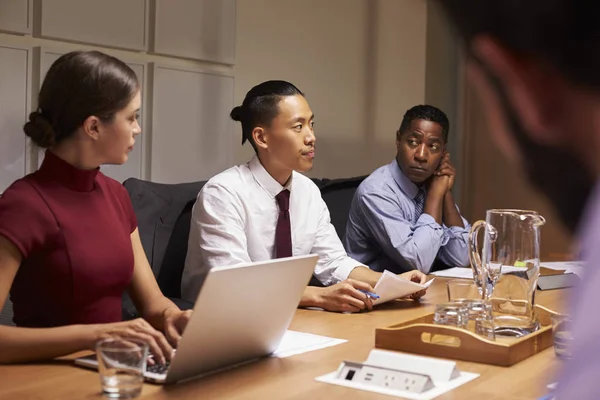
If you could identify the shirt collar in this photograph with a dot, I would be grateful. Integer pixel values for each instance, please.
(57, 169)
(405, 184)
(265, 180)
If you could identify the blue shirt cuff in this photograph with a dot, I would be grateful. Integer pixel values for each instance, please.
(455, 232)
(429, 221)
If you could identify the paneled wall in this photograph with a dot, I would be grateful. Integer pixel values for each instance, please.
(362, 64)
(15, 100)
(182, 52)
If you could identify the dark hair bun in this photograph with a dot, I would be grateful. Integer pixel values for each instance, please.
(237, 113)
(39, 130)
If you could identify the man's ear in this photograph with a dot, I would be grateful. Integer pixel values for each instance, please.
(260, 138)
(532, 90)
(398, 139)
(91, 127)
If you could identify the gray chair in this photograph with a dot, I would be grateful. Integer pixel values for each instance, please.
(163, 212)
(6, 314)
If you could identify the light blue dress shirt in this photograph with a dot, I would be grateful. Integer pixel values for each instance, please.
(384, 232)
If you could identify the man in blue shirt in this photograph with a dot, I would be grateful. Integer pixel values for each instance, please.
(403, 216)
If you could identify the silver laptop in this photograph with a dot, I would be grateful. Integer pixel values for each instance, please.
(240, 315)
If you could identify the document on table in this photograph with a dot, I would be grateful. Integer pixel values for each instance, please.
(575, 267)
(294, 342)
(390, 287)
(467, 273)
(456, 272)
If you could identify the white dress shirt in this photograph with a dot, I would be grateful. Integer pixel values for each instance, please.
(234, 221)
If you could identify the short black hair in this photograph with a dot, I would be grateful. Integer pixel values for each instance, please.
(562, 33)
(427, 113)
(261, 105)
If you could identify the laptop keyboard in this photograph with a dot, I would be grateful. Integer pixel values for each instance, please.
(158, 368)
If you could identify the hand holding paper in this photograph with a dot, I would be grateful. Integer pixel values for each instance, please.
(391, 286)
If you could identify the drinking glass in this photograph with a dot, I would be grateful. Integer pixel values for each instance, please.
(461, 290)
(455, 314)
(121, 366)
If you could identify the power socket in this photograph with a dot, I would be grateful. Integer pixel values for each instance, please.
(384, 377)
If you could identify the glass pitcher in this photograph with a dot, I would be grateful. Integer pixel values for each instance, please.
(508, 269)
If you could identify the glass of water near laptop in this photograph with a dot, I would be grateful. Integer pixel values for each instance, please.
(121, 366)
(508, 267)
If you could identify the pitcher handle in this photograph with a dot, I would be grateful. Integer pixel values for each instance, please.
(475, 258)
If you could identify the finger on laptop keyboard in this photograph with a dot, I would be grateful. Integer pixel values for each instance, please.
(150, 360)
(165, 347)
(172, 335)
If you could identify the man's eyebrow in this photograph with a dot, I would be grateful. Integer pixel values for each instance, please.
(300, 118)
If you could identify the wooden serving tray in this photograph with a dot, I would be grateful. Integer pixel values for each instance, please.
(422, 336)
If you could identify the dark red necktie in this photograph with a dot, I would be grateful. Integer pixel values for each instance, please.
(283, 232)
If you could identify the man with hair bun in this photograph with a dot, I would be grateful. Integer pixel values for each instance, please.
(266, 209)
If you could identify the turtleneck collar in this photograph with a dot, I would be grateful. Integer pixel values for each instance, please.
(57, 169)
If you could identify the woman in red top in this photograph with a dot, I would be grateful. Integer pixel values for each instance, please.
(69, 243)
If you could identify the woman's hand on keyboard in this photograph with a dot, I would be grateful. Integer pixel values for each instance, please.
(175, 323)
(137, 329)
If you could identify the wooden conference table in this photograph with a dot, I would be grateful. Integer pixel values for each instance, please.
(293, 377)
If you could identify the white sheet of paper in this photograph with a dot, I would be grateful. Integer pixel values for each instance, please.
(439, 389)
(456, 272)
(294, 342)
(390, 287)
(575, 267)
(467, 273)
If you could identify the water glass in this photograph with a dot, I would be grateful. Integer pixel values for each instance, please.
(563, 338)
(484, 326)
(479, 309)
(461, 290)
(121, 366)
(455, 314)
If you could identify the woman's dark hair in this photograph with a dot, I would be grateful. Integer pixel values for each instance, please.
(79, 84)
(261, 105)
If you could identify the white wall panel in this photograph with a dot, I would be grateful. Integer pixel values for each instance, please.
(15, 16)
(14, 108)
(191, 129)
(113, 23)
(198, 29)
